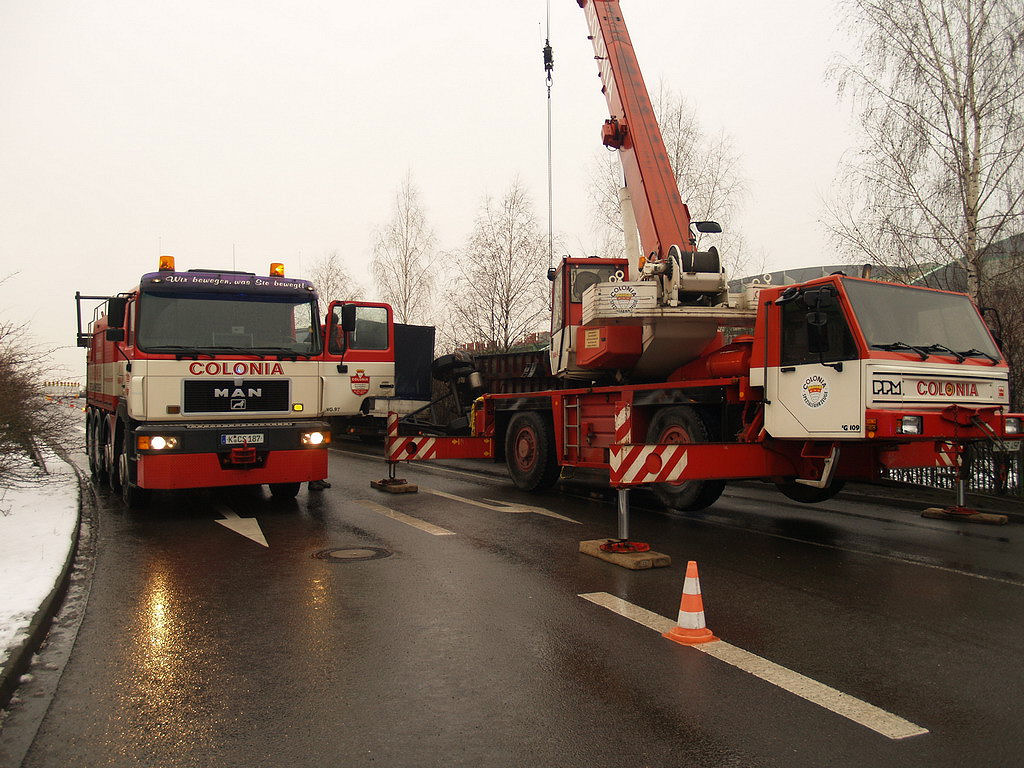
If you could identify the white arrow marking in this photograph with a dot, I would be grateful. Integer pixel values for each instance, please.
(502, 506)
(247, 526)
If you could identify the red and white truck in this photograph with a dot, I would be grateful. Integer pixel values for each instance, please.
(830, 380)
(212, 378)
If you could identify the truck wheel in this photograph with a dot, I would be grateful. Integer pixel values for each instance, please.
(112, 458)
(449, 366)
(94, 445)
(284, 490)
(806, 494)
(530, 452)
(683, 425)
(132, 496)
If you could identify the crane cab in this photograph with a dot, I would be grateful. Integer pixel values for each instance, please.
(569, 281)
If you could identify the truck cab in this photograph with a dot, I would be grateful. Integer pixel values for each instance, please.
(843, 357)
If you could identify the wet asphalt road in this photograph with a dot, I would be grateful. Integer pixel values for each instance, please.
(200, 647)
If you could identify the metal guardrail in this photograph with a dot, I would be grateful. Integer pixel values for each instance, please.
(990, 470)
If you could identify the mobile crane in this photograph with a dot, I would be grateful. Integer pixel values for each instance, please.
(834, 379)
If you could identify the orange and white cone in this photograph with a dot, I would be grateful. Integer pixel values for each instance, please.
(690, 628)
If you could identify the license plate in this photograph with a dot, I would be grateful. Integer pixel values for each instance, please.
(252, 439)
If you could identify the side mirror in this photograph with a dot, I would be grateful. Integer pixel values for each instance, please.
(115, 311)
(551, 274)
(348, 318)
(817, 332)
(708, 227)
(115, 334)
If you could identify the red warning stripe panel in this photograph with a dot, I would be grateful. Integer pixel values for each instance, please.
(623, 423)
(423, 448)
(926, 453)
(639, 464)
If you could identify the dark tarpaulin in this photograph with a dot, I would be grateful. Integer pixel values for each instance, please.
(414, 352)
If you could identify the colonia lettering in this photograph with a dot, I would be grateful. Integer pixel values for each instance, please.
(217, 368)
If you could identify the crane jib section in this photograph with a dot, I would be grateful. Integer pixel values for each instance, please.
(662, 218)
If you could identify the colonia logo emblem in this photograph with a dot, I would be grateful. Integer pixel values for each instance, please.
(815, 392)
(623, 298)
(360, 382)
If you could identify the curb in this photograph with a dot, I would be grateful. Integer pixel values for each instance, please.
(20, 655)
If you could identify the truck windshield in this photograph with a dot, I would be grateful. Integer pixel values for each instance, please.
(919, 321)
(180, 323)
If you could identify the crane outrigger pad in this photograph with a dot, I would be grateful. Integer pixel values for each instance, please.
(634, 561)
(964, 515)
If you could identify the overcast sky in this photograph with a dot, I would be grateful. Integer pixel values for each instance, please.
(283, 129)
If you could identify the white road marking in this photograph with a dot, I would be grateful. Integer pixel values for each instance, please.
(434, 530)
(246, 526)
(887, 724)
(502, 506)
(428, 467)
(904, 559)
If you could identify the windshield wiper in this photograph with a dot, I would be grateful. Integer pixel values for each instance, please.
(943, 348)
(892, 347)
(282, 352)
(180, 351)
(219, 350)
(978, 353)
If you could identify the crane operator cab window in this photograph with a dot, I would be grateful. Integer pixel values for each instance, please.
(369, 330)
(814, 329)
(570, 283)
(582, 276)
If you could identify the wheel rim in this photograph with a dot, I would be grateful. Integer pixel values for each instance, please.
(675, 434)
(122, 470)
(525, 446)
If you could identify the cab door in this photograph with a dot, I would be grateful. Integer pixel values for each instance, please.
(359, 356)
(816, 390)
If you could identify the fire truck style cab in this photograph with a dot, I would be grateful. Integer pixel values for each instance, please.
(212, 378)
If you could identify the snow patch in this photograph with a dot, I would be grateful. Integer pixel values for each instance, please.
(37, 529)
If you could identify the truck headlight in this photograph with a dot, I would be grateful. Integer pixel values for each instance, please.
(155, 442)
(316, 438)
(910, 425)
(1011, 426)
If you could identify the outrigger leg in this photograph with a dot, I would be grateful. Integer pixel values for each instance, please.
(960, 512)
(635, 555)
(392, 484)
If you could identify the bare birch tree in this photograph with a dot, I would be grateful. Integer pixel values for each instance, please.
(939, 174)
(332, 279)
(707, 171)
(403, 250)
(501, 291)
(28, 421)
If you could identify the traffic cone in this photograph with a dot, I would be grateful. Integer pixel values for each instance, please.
(690, 628)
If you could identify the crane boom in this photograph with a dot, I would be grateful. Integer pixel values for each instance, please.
(662, 218)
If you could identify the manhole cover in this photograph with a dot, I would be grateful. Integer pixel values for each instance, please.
(351, 554)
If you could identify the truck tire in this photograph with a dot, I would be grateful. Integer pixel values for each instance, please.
(806, 494)
(284, 490)
(132, 496)
(112, 457)
(448, 367)
(683, 425)
(530, 452)
(92, 444)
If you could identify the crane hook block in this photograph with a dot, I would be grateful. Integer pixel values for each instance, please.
(613, 133)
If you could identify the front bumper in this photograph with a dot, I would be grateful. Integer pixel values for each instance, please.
(201, 459)
(958, 423)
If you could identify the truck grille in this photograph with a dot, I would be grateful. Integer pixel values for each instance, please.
(225, 396)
